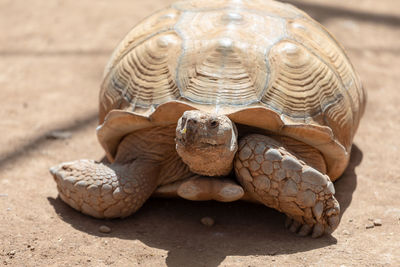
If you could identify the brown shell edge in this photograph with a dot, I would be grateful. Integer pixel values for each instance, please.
(119, 123)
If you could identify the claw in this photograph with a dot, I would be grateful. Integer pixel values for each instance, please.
(294, 227)
(305, 230)
(288, 222)
(330, 212)
(334, 221)
(318, 230)
(53, 170)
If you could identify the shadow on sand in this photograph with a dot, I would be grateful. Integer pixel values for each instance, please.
(322, 13)
(42, 140)
(241, 228)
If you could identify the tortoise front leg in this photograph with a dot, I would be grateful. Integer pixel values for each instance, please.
(279, 179)
(121, 188)
(106, 191)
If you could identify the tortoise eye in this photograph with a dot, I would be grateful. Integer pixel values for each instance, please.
(213, 123)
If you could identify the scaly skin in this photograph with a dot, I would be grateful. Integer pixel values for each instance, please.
(144, 160)
(105, 191)
(280, 180)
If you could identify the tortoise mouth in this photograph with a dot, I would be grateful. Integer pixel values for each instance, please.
(201, 143)
(210, 142)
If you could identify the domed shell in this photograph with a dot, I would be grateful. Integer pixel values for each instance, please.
(262, 63)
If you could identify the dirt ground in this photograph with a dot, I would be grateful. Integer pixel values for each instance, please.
(52, 54)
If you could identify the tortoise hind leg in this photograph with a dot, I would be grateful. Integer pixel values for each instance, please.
(105, 191)
(276, 177)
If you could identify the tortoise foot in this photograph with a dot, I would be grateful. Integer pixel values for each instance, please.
(99, 190)
(311, 225)
(277, 178)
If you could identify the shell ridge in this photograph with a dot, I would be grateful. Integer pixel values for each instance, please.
(334, 71)
(337, 57)
(183, 51)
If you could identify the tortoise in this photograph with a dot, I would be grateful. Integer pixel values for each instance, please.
(223, 100)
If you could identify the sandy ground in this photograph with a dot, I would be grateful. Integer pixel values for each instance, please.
(52, 54)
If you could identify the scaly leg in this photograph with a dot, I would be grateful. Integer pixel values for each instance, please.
(280, 180)
(105, 191)
(121, 188)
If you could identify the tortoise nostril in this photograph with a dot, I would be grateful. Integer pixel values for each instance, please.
(192, 121)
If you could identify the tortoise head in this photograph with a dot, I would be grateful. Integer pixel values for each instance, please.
(206, 142)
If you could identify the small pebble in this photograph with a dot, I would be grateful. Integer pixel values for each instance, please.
(378, 222)
(350, 220)
(208, 221)
(104, 229)
(345, 232)
(11, 253)
(3, 195)
(369, 225)
(58, 135)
